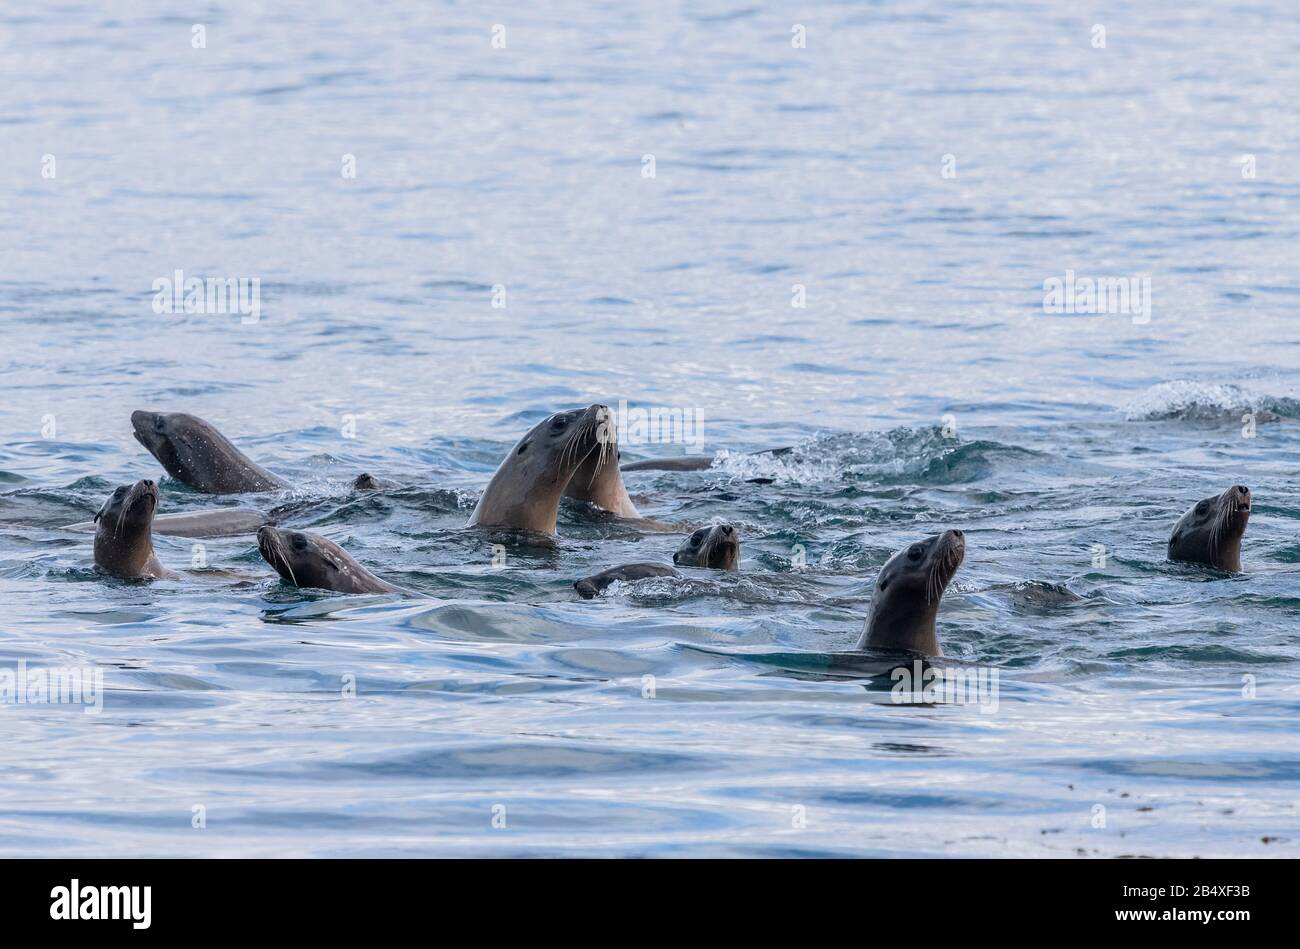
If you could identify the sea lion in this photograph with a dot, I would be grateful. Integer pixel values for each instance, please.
(368, 482)
(525, 492)
(225, 522)
(907, 594)
(194, 452)
(588, 587)
(123, 534)
(1210, 533)
(310, 560)
(717, 547)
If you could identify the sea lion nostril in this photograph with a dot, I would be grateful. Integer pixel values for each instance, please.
(957, 533)
(1242, 489)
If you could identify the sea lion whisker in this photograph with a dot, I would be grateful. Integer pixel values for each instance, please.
(278, 551)
(565, 454)
(570, 451)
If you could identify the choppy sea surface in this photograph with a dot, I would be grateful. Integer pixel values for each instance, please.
(919, 170)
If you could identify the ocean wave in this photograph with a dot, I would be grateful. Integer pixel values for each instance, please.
(900, 455)
(1186, 400)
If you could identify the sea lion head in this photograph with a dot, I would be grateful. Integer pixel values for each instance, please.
(195, 453)
(599, 479)
(907, 594)
(558, 446)
(124, 529)
(366, 482)
(717, 547)
(524, 494)
(1210, 533)
(310, 560)
(171, 437)
(303, 559)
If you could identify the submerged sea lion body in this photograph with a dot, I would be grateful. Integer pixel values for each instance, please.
(226, 522)
(195, 453)
(680, 463)
(907, 594)
(588, 587)
(717, 547)
(310, 560)
(1210, 533)
(123, 534)
(524, 493)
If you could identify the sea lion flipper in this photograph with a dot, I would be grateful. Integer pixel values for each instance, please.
(681, 463)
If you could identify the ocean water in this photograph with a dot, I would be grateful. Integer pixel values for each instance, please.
(644, 188)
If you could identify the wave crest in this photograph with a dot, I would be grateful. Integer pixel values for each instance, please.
(1186, 400)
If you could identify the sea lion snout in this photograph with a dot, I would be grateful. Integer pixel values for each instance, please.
(147, 425)
(949, 553)
(266, 542)
(144, 490)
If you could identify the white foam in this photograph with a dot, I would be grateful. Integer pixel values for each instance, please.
(1186, 399)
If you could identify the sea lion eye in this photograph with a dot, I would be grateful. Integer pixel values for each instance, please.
(299, 542)
(558, 423)
(914, 553)
(1203, 507)
(158, 423)
(521, 448)
(698, 536)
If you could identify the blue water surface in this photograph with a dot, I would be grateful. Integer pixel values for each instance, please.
(627, 203)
